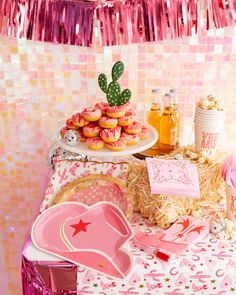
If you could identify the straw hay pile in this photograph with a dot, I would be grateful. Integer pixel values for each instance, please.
(165, 210)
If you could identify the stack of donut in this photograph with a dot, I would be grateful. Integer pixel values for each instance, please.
(114, 127)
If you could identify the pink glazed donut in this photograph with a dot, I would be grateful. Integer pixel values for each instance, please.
(133, 128)
(78, 120)
(102, 106)
(95, 143)
(110, 135)
(116, 111)
(130, 139)
(144, 132)
(106, 122)
(116, 146)
(92, 130)
(91, 114)
(70, 124)
(127, 119)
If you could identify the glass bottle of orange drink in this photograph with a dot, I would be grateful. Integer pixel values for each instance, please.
(173, 93)
(168, 127)
(154, 115)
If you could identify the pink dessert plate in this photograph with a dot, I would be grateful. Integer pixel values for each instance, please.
(93, 236)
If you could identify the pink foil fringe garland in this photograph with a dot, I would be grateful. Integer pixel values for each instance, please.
(130, 21)
(119, 21)
(63, 21)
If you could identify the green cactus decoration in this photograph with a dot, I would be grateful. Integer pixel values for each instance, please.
(117, 70)
(125, 96)
(113, 91)
(102, 81)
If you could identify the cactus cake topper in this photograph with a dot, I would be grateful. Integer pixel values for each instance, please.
(113, 91)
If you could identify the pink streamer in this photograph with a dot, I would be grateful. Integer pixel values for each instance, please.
(129, 21)
(119, 21)
(57, 21)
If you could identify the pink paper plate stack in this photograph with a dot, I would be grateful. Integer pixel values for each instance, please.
(173, 177)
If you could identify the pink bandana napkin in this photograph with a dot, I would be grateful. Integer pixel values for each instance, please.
(173, 177)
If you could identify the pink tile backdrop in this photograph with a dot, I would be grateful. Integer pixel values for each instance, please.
(41, 84)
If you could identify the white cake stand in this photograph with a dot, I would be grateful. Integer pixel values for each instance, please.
(81, 147)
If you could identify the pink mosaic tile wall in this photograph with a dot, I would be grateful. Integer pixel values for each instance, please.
(41, 84)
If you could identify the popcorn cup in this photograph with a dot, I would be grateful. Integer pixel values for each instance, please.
(208, 137)
(231, 203)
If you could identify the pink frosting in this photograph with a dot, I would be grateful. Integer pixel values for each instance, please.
(133, 137)
(116, 109)
(77, 119)
(130, 113)
(92, 127)
(108, 120)
(128, 116)
(102, 106)
(69, 123)
(127, 105)
(111, 132)
(119, 143)
(134, 125)
(144, 132)
(94, 140)
(92, 112)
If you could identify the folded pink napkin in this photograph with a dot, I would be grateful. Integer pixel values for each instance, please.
(173, 241)
(173, 177)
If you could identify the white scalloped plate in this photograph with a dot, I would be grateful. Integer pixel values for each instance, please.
(81, 147)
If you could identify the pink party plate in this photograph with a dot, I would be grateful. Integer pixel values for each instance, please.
(90, 190)
(91, 236)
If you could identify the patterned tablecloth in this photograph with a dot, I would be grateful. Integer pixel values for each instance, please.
(207, 267)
